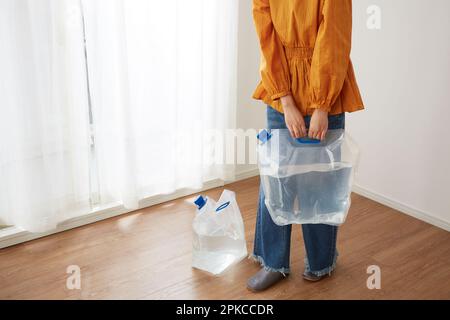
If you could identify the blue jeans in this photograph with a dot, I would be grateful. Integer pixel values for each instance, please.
(273, 243)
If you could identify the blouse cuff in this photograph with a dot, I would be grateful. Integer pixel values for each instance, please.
(322, 105)
(279, 95)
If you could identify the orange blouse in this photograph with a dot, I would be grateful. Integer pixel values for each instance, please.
(305, 51)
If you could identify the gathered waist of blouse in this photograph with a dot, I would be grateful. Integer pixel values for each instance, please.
(298, 52)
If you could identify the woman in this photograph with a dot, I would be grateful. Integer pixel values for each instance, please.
(308, 83)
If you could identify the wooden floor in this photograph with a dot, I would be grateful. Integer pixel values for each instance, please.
(147, 254)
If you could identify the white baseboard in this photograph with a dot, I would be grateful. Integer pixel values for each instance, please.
(246, 174)
(413, 212)
(10, 236)
(151, 201)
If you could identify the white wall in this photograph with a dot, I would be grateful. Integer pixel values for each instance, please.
(250, 113)
(404, 74)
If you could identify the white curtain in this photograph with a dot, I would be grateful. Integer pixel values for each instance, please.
(161, 74)
(44, 142)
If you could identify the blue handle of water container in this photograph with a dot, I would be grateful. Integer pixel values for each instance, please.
(223, 206)
(265, 136)
(306, 140)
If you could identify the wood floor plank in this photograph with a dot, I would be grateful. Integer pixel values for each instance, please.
(146, 254)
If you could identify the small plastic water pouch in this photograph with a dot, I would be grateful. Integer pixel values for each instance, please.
(218, 234)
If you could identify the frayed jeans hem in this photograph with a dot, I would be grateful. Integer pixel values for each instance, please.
(327, 270)
(260, 260)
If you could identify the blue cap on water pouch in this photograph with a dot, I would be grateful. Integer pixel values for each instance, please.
(264, 136)
(200, 202)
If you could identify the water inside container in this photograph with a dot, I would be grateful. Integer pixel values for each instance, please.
(216, 253)
(312, 197)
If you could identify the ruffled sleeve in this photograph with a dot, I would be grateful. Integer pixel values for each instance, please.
(274, 67)
(331, 54)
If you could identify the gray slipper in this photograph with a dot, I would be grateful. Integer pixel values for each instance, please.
(264, 279)
(307, 275)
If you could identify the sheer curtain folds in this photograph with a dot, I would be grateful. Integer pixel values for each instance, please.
(158, 75)
(44, 142)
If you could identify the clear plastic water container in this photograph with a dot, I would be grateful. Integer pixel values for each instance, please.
(218, 234)
(307, 181)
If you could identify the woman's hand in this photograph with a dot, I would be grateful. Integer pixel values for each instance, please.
(319, 125)
(293, 117)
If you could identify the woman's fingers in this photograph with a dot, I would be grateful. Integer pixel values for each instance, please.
(303, 132)
(318, 135)
(291, 131)
(323, 135)
(297, 131)
(318, 124)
